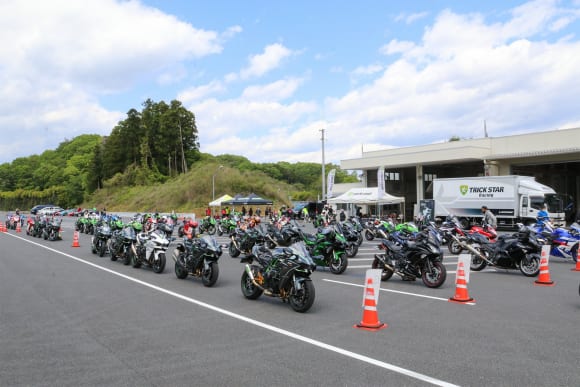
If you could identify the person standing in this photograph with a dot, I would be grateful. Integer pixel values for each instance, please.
(489, 217)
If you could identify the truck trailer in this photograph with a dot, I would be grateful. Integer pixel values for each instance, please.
(513, 199)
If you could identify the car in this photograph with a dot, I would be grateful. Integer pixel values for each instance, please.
(50, 211)
(34, 210)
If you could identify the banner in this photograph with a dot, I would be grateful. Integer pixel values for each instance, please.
(381, 183)
(330, 183)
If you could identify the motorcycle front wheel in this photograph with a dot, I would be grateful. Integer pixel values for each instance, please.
(102, 248)
(351, 249)
(301, 300)
(234, 252)
(249, 290)
(159, 264)
(531, 267)
(210, 276)
(211, 229)
(435, 276)
(338, 265)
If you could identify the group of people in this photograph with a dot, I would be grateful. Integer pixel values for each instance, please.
(491, 221)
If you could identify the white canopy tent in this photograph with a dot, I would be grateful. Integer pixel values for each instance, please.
(218, 201)
(368, 196)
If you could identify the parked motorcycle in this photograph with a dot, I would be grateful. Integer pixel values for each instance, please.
(30, 226)
(409, 259)
(288, 234)
(378, 228)
(564, 242)
(226, 225)
(283, 272)
(123, 244)
(351, 237)
(100, 239)
(207, 225)
(198, 257)
(151, 248)
(52, 230)
(327, 248)
(519, 251)
(242, 241)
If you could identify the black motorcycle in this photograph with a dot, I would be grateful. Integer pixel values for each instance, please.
(519, 251)
(123, 244)
(419, 256)
(352, 238)
(288, 234)
(52, 230)
(100, 239)
(198, 257)
(242, 241)
(283, 272)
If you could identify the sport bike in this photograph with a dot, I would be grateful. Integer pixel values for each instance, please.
(198, 257)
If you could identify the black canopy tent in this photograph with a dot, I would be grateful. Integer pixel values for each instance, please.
(247, 200)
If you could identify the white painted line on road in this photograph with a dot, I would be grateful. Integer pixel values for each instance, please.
(359, 266)
(320, 344)
(394, 291)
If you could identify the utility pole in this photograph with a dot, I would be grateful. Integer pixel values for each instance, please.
(323, 167)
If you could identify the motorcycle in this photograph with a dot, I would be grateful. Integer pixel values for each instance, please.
(226, 225)
(409, 259)
(30, 226)
(283, 272)
(242, 241)
(564, 243)
(122, 243)
(289, 233)
(100, 239)
(13, 221)
(151, 247)
(208, 224)
(356, 225)
(520, 251)
(378, 228)
(351, 237)
(327, 248)
(198, 257)
(52, 230)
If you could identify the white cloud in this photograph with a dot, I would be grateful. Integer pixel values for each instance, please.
(199, 92)
(275, 91)
(410, 18)
(270, 59)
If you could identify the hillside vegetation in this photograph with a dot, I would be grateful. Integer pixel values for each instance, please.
(150, 162)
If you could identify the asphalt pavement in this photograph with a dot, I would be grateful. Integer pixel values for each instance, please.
(70, 318)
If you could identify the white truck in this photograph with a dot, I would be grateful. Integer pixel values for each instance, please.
(513, 199)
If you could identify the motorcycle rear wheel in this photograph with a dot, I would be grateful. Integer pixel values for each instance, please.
(530, 268)
(249, 290)
(477, 263)
(302, 299)
(386, 274)
(338, 266)
(454, 247)
(436, 277)
(369, 236)
(210, 276)
(159, 265)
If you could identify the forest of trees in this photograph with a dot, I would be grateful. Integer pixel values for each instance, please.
(148, 147)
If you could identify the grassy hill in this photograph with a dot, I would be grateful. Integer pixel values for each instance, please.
(189, 192)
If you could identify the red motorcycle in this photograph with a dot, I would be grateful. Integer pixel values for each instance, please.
(455, 247)
(30, 226)
(13, 221)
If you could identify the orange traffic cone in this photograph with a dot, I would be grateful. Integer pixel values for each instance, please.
(577, 268)
(2, 227)
(461, 294)
(370, 319)
(76, 239)
(18, 229)
(544, 278)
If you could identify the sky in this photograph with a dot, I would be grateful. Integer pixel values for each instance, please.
(264, 78)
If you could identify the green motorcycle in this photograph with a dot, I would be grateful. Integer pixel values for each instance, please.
(207, 225)
(327, 248)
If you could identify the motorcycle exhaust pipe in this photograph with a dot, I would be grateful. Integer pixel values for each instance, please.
(253, 279)
(471, 249)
